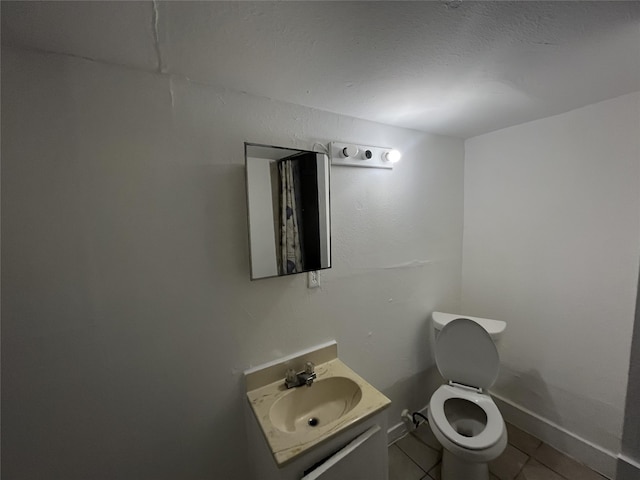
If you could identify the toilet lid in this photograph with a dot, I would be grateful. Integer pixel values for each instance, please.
(466, 354)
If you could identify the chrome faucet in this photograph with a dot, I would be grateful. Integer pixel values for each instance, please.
(305, 377)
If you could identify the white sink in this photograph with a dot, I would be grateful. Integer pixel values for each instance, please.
(337, 400)
(306, 408)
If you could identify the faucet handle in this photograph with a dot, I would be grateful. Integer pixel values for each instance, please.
(309, 367)
(291, 376)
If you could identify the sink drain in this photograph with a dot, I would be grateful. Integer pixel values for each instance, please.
(313, 421)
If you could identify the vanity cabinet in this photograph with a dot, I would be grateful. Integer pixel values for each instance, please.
(357, 453)
(358, 459)
(335, 428)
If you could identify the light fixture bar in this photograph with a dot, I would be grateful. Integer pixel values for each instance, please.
(354, 155)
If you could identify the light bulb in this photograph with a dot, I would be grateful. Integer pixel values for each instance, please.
(350, 151)
(392, 156)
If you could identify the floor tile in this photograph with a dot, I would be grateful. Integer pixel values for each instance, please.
(401, 467)
(544, 463)
(424, 433)
(422, 454)
(522, 440)
(508, 465)
(534, 470)
(434, 473)
(564, 465)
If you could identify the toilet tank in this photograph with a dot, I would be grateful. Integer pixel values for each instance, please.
(493, 327)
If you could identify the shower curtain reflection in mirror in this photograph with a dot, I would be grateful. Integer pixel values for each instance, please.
(299, 221)
(290, 260)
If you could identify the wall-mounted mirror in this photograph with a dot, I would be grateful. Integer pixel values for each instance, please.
(289, 215)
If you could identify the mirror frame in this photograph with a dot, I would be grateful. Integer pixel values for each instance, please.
(293, 150)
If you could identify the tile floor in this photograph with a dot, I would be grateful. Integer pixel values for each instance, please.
(417, 457)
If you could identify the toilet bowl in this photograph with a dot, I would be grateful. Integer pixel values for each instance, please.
(462, 415)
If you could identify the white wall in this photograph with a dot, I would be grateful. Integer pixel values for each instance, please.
(127, 311)
(551, 245)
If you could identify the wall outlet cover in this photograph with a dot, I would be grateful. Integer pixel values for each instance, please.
(313, 279)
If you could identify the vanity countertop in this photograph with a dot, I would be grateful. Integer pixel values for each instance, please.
(287, 445)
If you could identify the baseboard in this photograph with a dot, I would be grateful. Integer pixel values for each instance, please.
(628, 468)
(586, 452)
(399, 430)
(396, 432)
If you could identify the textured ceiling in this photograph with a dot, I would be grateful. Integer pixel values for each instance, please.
(455, 68)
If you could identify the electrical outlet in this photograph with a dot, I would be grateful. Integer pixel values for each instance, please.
(313, 279)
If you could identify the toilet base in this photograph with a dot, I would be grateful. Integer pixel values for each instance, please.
(455, 468)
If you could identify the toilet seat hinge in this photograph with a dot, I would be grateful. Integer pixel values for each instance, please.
(465, 387)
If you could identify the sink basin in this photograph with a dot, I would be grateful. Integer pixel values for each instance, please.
(294, 421)
(307, 408)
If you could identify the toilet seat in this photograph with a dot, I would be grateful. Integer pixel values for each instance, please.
(466, 354)
(467, 357)
(493, 429)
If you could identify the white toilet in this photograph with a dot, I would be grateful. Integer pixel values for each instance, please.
(462, 415)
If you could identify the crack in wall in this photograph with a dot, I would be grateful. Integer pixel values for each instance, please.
(162, 68)
(171, 93)
(61, 54)
(411, 264)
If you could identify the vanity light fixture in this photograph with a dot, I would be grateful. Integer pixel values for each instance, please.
(362, 155)
(392, 156)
